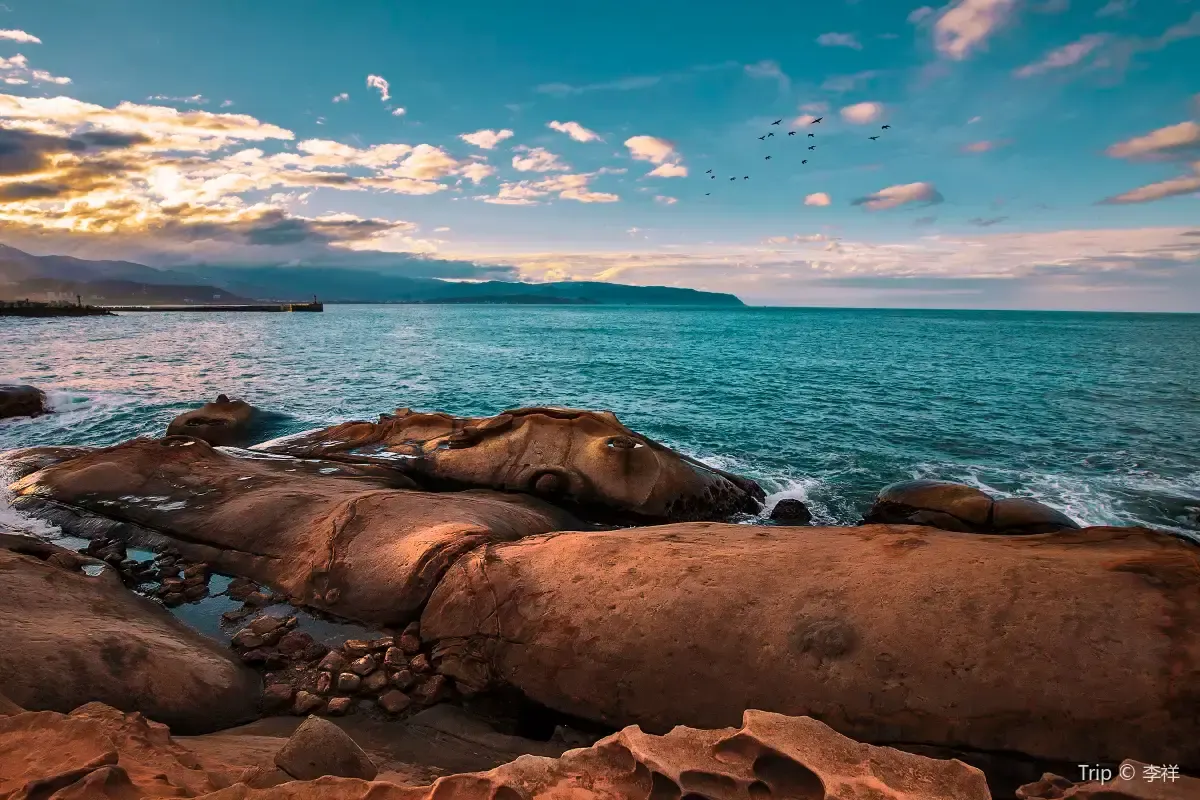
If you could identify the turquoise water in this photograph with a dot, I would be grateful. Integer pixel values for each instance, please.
(1097, 415)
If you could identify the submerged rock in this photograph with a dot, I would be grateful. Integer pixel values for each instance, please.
(958, 507)
(1078, 646)
(221, 422)
(585, 459)
(67, 639)
(347, 544)
(19, 400)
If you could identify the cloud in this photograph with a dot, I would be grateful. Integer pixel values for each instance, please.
(668, 171)
(1115, 8)
(193, 100)
(815, 108)
(575, 131)
(896, 196)
(16, 71)
(651, 148)
(966, 25)
(1173, 187)
(443, 229)
(1066, 56)
(378, 82)
(802, 120)
(848, 83)
(486, 138)
(665, 200)
(622, 84)
(1168, 142)
(983, 146)
(476, 171)
(986, 223)
(568, 187)
(769, 70)
(341, 98)
(973, 120)
(537, 159)
(817, 199)
(19, 36)
(226, 103)
(862, 113)
(399, 112)
(839, 40)
(918, 15)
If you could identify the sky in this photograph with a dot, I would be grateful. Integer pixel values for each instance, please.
(1039, 154)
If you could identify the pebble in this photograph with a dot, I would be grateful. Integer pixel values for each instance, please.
(410, 644)
(334, 662)
(375, 682)
(394, 701)
(325, 683)
(403, 679)
(277, 697)
(307, 703)
(394, 658)
(356, 648)
(420, 663)
(348, 682)
(364, 666)
(338, 706)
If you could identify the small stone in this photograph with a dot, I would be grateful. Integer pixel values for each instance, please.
(172, 585)
(113, 558)
(166, 572)
(265, 624)
(375, 682)
(196, 570)
(307, 703)
(237, 615)
(394, 658)
(295, 643)
(338, 706)
(348, 682)
(277, 697)
(291, 622)
(247, 639)
(195, 580)
(410, 644)
(325, 683)
(163, 560)
(364, 666)
(319, 748)
(257, 599)
(334, 662)
(394, 701)
(431, 691)
(420, 663)
(172, 599)
(356, 648)
(381, 644)
(194, 593)
(403, 679)
(240, 588)
(314, 652)
(129, 565)
(263, 657)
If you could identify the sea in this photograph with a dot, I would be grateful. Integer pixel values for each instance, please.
(1097, 415)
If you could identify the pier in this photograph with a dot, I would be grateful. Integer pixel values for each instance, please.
(313, 306)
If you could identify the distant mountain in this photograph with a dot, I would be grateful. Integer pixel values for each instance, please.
(49, 278)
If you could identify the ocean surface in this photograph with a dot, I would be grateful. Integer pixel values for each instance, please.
(1097, 415)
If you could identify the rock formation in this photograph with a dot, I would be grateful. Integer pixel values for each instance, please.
(68, 638)
(19, 400)
(330, 535)
(1131, 780)
(221, 422)
(586, 460)
(16, 464)
(957, 507)
(1075, 646)
(320, 748)
(790, 511)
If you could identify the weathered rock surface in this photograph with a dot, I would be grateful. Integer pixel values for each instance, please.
(67, 639)
(790, 511)
(20, 400)
(16, 464)
(585, 459)
(1130, 781)
(957, 507)
(221, 422)
(1071, 647)
(333, 535)
(319, 748)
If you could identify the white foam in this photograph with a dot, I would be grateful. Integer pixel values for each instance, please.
(241, 452)
(284, 439)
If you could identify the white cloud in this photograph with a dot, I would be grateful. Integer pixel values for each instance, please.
(378, 82)
(443, 229)
(537, 159)
(19, 36)
(973, 120)
(817, 199)
(895, 196)
(486, 138)
(769, 70)
(862, 113)
(665, 199)
(1066, 56)
(815, 108)
(839, 40)
(803, 119)
(668, 171)
(399, 112)
(476, 171)
(1115, 8)
(226, 103)
(426, 163)
(651, 148)
(568, 187)
(1162, 143)
(341, 98)
(1184, 184)
(918, 15)
(966, 25)
(192, 100)
(16, 71)
(575, 131)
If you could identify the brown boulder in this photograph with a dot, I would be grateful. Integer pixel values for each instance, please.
(16, 464)
(790, 511)
(586, 460)
(347, 544)
(221, 422)
(958, 507)
(1075, 646)
(320, 748)
(19, 400)
(1131, 780)
(69, 639)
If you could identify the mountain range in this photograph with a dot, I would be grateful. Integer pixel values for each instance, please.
(47, 278)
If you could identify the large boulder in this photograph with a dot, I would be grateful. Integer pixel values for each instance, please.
(331, 535)
(221, 422)
(20, 400)
(1079, 646)
(958, 507)
(586, 460)
(16, 464)
(67, 638)
(317, 748)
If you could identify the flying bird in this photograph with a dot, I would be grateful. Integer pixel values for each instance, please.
(805, 161)
(771, 134)
(763, 136)
(885, 127)
(712, 177)
(811, 135)
(812, 147)
(708, 194)
(815, 121)
(776, 122)
(872, 138)
(791, 133)
(708, 172)
(734, 178)
(745, 177)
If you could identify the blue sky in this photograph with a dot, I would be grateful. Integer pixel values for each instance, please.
(1041, 154)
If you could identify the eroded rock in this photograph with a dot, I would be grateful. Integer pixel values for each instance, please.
(958, 507)
(320, 748)
(20, 400)
(1131, 780)
(790, 511)
(1073, 647)
(585, 459)
(221, 422)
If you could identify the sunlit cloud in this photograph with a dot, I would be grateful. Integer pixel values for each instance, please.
(537, 159)
(839, 40)
(192, 100)
(486, 139)
(16, 71)
(341, 98)
(918, 15)
(666, 200)
(966, 25)
(862, 113)
(378, 82)
(19, 36)
(1066, 56)
(896, 196)
(817, 199)
(575, 131)
(983, 146)
(1162, 143)
(533, 192)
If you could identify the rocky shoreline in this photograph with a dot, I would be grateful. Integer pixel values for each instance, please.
(551, 569)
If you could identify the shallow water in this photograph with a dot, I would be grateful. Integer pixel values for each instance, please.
(1097, 415)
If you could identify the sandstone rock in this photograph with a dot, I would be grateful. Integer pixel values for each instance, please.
(339, 706)
(173, 599)
(1064, 647)
(99, 641)
(356, 648)
(194, 593)
(265, 658)
(410, 644)
(325, 683)
(389, 546)
(381, 644)
(394, 658)
(430, 691)
(1132, 780)
(348, 682)
(333, 662)
(374, 682)
(257, 599)
(16, 464)
(586, 459)
(241, 588)
(394, 701)
(222, 422)
(295, 644)
(364, 666)
(277, 697)
(18, 400)
(196, 571)
(319, 748)
(308, 703)
(8, 708)
(957, 507)
(404, 679)
(246, 639)
(790, 511)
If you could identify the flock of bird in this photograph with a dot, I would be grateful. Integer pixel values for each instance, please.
(770, 134)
